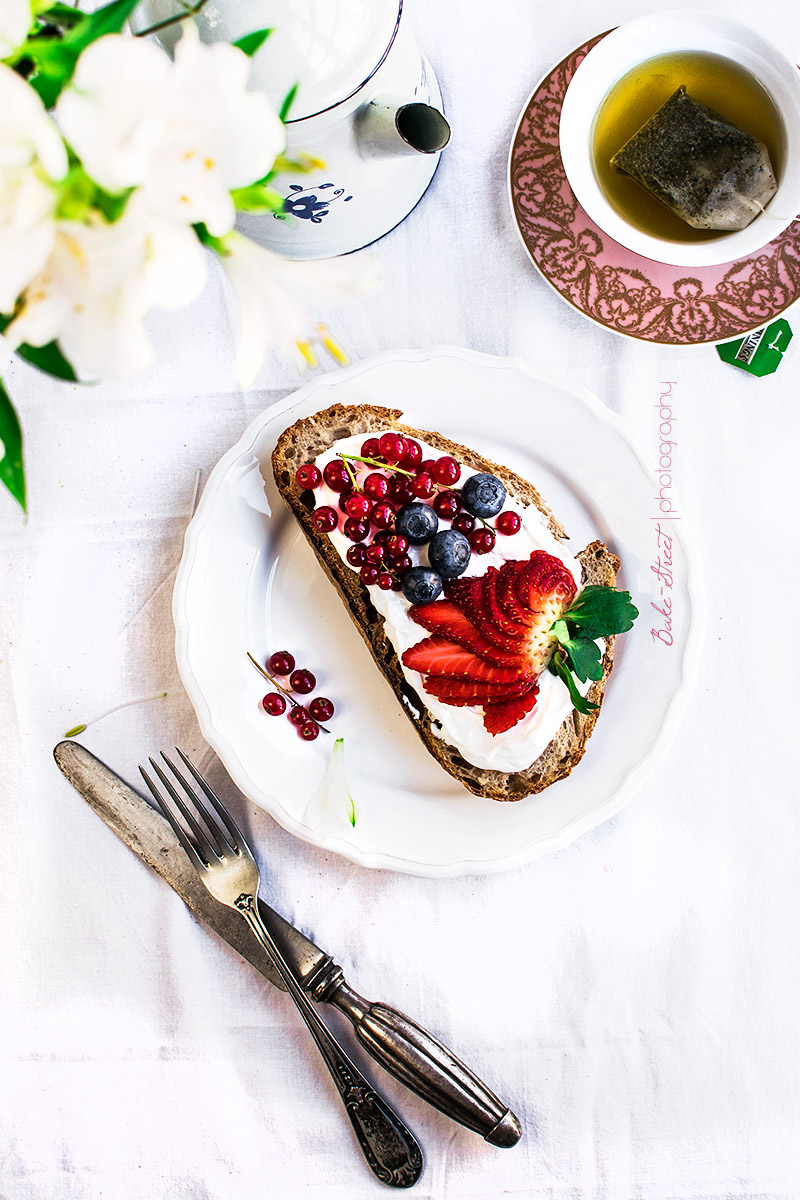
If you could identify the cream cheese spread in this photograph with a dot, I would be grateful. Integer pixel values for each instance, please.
(517, 748)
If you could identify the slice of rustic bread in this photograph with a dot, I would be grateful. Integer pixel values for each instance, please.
(305, 441)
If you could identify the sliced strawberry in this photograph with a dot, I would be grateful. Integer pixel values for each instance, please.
(438, 656)
(545, 581)
(515, 629)
(467, 691)
(509, 576)
(491, 637)
(446, 619)
(504, 714)
(467, 594)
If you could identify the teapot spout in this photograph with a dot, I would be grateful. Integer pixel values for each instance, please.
(387, 126)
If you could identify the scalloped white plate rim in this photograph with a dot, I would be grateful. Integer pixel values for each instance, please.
(384, 860)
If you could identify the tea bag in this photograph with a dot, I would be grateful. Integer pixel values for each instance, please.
(709, 172)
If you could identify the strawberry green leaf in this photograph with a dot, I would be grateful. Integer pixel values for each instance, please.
(602, 611)
(12, 472)
(251, 43)
(584, 657)
(558, 666)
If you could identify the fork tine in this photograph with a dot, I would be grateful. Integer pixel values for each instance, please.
(216, 834)
(235, 839)
(206, 847)
(197, 861)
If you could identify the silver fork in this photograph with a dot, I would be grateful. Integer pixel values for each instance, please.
(226, 866)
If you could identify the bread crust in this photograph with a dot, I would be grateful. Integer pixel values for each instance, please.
(308, 438)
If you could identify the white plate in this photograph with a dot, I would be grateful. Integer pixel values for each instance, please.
(249, 581)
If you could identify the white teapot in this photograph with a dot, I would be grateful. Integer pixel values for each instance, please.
(367, 105)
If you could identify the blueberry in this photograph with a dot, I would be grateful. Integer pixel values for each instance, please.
(417, 522)
(421, 585)
(449, 553)
(483, 495)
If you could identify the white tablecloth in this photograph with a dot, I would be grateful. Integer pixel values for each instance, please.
(633, 997)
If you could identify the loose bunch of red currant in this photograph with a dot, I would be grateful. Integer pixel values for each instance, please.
(368, 505)
(307, 718)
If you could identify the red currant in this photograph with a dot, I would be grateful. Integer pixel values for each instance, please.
(376, 486)
(508, 522)
(281, 663)
(446, 470)
(302, 681)
(368, 574)
(309, 731)
(422, 486)
(396, 544)
(355, 556)
(446, 505)
(355, 530)
(358, 506)
(400, 490)
(308, 476)
(392, 447)
(298, 715)
(383, 515)
(381, 535)
(274, 704)
(321, 708)
(385, 581)
(371, 448)
(336, 475)
(343, 498)
(413, 456)
(401, 564)
(482, 540)
(464, 523)
(374, 553)
(325, 519)
(424, 467)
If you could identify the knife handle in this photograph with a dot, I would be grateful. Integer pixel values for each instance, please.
(425, 1066)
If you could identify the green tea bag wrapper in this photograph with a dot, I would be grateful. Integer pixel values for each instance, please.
(706, 170)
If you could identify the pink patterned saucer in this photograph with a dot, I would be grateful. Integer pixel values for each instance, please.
(634, 296)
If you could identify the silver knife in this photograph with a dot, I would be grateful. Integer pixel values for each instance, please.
(401, 1046)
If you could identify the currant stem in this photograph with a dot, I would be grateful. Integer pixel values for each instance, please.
(280, 688)
(373, 462)
(351, 473)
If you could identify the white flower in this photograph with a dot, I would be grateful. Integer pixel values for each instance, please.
(32, 157)
(187, 132)
(15, 22)
(270, 311)
(99, 284)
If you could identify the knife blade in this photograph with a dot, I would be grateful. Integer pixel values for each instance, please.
(400, 1045)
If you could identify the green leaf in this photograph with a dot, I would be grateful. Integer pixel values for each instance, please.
(558, 666)
(65, 16)
(602, 611)
(257, 198)
(251, 43)
(112, 204)
(12, 471)
(54, 58)
(217, 244)
(48, 359)
(584, 657)
(288, 101)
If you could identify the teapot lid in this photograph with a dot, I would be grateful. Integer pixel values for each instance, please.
(329, 48)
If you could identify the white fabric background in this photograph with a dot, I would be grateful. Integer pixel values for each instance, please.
(634, 997)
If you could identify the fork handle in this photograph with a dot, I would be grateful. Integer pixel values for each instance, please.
(390, 1149)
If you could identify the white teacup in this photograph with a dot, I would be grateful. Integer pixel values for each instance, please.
(651, 37)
